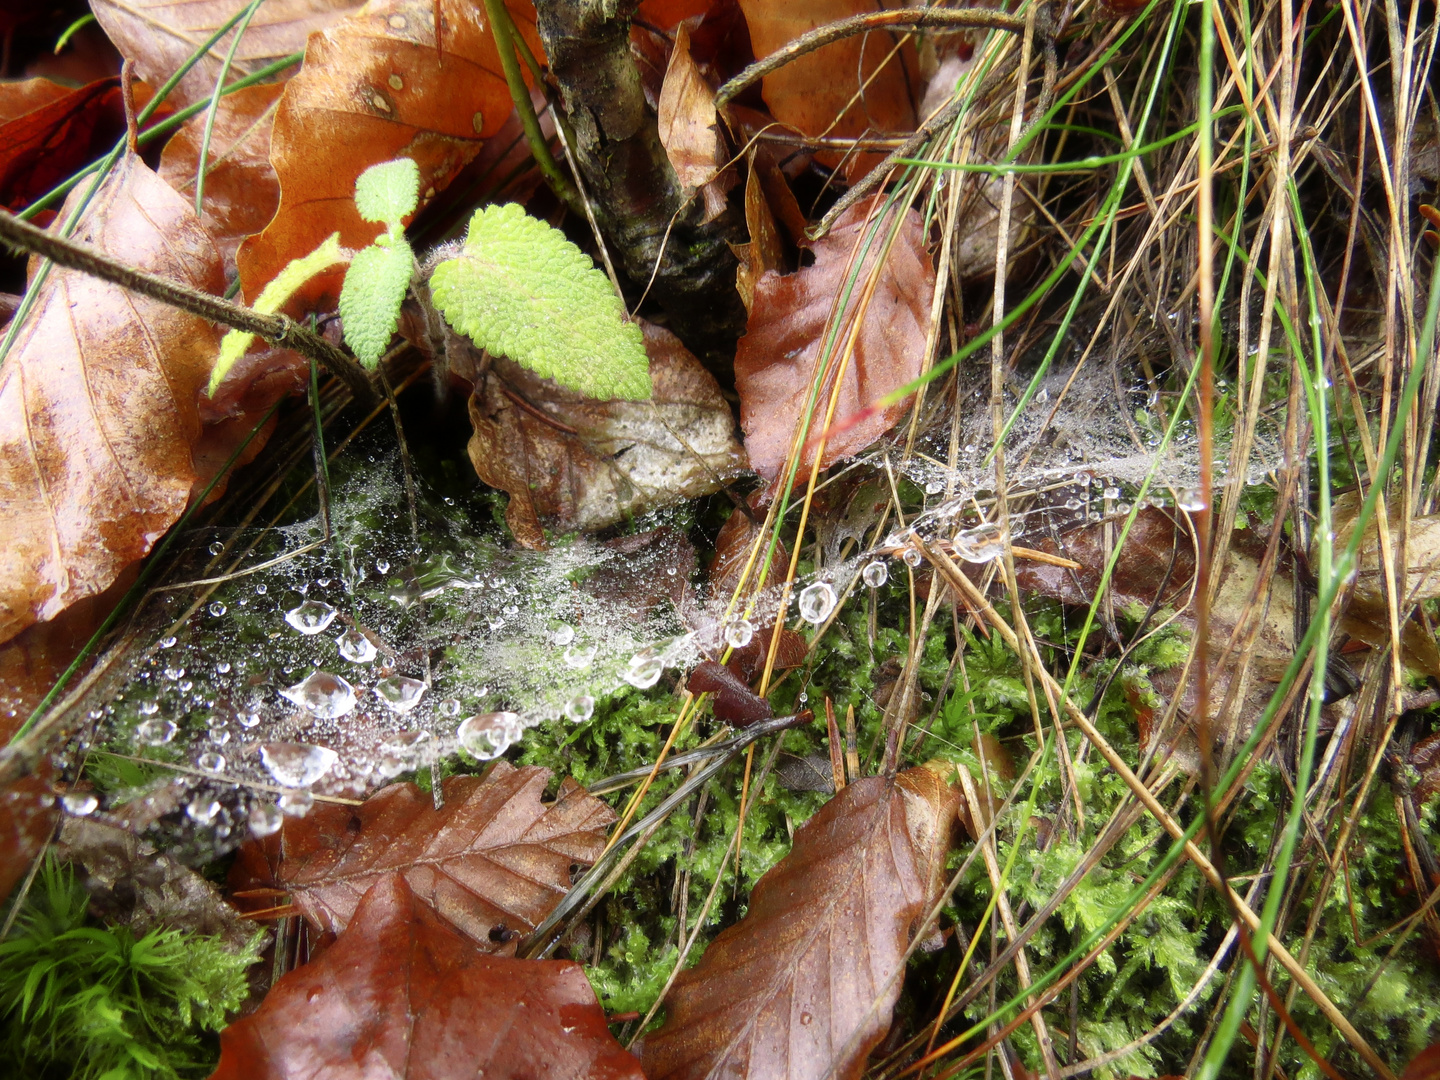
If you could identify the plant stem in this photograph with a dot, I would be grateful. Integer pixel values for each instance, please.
(273, 328)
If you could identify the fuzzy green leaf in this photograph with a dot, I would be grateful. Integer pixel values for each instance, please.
(388, 191)
(520, 289)
(370, 301)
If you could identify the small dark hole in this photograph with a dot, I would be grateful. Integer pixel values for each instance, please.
(503, 933)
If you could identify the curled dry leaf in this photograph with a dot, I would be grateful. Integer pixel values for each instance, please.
(375, 87)
(402, 995)
(47, 131)
(160, 35)
(854, 87)
(776, 361)
(688, 129)
(98, 404)
(804, 985)
(734, 702)
(765, 251)
(242, 192)
(492, 862)
(570, 462)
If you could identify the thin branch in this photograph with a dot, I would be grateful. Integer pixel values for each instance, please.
(277, 329)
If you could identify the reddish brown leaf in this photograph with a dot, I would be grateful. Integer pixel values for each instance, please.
(765, 251)
(160, 35)
(1425, 1066)
(242, 192)
(804, 985)
(569, 462)
(27, 819)
(48, 131)
(835, 91)
(688, 130)
(1425, 760)
(375, 87)
(776, 361)
(493, 861)
(734, 702)
(97, 405)
(400, 994)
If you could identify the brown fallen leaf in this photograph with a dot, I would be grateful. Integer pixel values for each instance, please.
(402, 995)
(733, 702)
(765, 250)
(1425, 1066)
(47, 131)
(242, 192)
(492, 862)
(776, 360)
(857, 86)
(688, 128)
(160, 35)
(1425, 760)
(98, 405)
(804, 985)
(375, 87)
(569, 462)
(27, 820)
(1421, 580)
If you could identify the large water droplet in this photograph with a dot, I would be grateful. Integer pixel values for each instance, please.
(644, 669)
(400, 694)
(202, 809)
(564, 634)
(297, 803)
(356, 647)
(297, 765)
(265, 819)
(211, 762)
(816, 602)
(912, 557)
(982, 544)
(80, 803)
(739, 633)
(1191, 500)
(875, 573)
(488, 735)
(579, 657)
(312, 617)
(155, 732)
(580, 708)
(324, 694)
(217, 609)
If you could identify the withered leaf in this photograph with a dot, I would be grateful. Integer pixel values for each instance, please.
(98, 404)
(688, 130)
(776, 360)
(1424, 1066)
(1421, 579)
(401, 994)
(734, 702)
(47, 131)
(765, 251)
(573, 463)
(27, 818)
(804, 985)
(242, 192)
(492, 862)
(375, 86)
(160, 35)
(840, 91)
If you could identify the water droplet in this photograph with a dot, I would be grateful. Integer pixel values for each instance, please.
(1190, 499)
(449, 707)
(912, 557)
(982, 544)
(934, 486)
(261, 589)
(297, 803)
(488, 735)
(297, 765)
(399, 693)
(580, 708)
(265, 819)
(644, 669)
(1112, 493)
(579, 657)
(216, 547)
(80, 803)
(219, 736)
(739, 633)
(174, 672)
(564, 634)
(816, 602)
(149, 708)
(382, 565)
(875, 573)
(202, 809)
(1072, 504)
(324, 694)
(211, 762)
(356, 647)
(168, 642)
(155, 732)
(217, 609)
(311, 617)
(223, 667)
(247, 719)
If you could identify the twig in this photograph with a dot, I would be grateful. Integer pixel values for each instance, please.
(277, 329)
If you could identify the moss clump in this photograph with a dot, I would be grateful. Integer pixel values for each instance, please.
(85, 1001)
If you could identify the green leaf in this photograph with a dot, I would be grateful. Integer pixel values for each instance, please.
(520, 289)
(370, 301)
(388, 191)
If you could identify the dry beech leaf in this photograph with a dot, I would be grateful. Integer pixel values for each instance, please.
(160, 35)
(47, 131)
(492, 862)
(1421, 580)
(27, 820)
(835, 91)
(765, 251)
(1425, 1066)
(98, 404)
(688, 129)
(401, 994)
(804, 985)
(569, 462)
(776, 360)
(242, 192)
(375, 87)
(733, 702)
